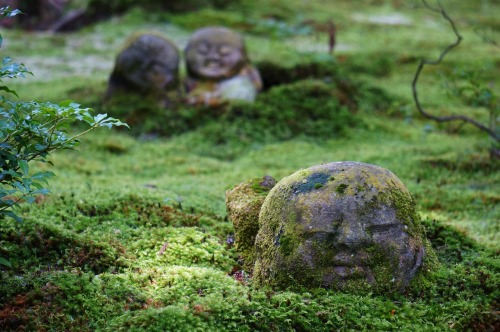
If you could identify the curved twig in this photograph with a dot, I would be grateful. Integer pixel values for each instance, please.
(424, 62)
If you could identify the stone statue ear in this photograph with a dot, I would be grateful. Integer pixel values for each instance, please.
(416, 262)
(419, 258)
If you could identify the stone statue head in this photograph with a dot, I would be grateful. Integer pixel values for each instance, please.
(148, 63)
(344, 225)
(215, 53)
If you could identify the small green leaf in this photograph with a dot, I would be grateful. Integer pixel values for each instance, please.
(6, 89)
(29, 199)
(40, 147)
(100, 117)
(5, 262)
(68, 103)
(42, 176)
(12, 215)
(23, 164)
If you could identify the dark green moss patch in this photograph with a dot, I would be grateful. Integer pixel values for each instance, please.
(59, 249)
(286, 244)
(341, 188)
(274, 74)
(451, 245)
(352, 93)
(146, 212)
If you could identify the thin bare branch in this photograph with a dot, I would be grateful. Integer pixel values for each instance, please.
(424, 62)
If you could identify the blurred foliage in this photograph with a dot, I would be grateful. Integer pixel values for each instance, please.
(100, 7)
(312, 99)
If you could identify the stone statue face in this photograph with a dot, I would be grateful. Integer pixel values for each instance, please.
(215, 53)
(355, 241)
(342, 225)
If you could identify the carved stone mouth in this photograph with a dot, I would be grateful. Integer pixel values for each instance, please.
(351, 259)
(350, 272)
(352, 266)
(213, 65)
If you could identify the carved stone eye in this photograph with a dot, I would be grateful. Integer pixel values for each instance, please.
(382, 228)
(225, 50)
(203, 48)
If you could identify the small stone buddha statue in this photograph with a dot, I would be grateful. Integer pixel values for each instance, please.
(218, 68)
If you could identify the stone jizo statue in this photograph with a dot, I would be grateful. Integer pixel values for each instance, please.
(147, 66)
(218, 68)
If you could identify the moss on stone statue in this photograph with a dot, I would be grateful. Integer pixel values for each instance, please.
(365, 236)
(243, 204)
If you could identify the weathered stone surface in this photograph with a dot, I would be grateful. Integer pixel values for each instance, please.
(148, 66)
(243, 204)
(218, 68)
(343, 225)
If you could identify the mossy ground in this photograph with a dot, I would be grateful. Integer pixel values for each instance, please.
(135, 235)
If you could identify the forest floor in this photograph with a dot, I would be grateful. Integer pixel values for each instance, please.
(135, 236)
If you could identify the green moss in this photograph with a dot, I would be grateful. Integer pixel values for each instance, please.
(341, 188)
(318, 185)
(287, 245)
(243, 204)
(114, 199)
(257, 186)
(208, 17)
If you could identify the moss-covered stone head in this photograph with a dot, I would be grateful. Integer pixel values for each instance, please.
(147, 63)
(215, 53)
(344, 225)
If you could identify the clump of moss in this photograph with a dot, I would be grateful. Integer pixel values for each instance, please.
(313, 99)
(143, 211)
(354, 94)
(243, 204)
(375, 64)
(468, 276)
(274, 74)
(186, 246)
(146, 118)
(55, 247)
(308, 108)
(341, 188)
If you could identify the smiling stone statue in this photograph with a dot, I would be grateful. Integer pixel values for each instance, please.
(342, 225)
(218, 68)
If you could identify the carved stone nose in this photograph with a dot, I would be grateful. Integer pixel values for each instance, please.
(352, 234)
(213, 54)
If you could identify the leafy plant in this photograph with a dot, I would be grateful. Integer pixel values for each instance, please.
(30, 131)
